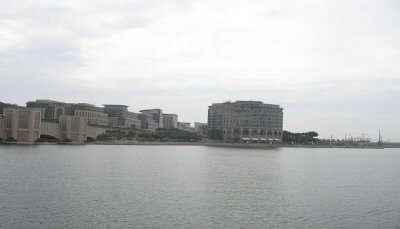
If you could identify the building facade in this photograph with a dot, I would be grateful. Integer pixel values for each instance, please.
(21, 124)
(170, 121)
(73, 129)
(6, 105)
(186, 126)
(120, 117)
(2, 127)
(201, 128)
(245, 119)
(147, 122)
(156, 115)
(51, 110)
(94, 115)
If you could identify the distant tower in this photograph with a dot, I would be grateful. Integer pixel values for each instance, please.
(380, 138)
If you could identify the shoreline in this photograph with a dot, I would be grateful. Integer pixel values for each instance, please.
(212, 144)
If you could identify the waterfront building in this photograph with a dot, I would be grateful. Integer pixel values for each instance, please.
(78, 122)
(51, 110)
(245, 119)
(201, 128)
(73, 128)
(69, 122)
(170, 121)
(6, 105)
(120, 117)
(94, 115)
(186, 126)
(2, 127)
(21, 124)
(156, 115)
(147, 121)
(132, 120)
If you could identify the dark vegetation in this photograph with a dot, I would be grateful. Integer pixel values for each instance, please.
(90, 139)
(116, 135)
(175, 135)
(47, 138)
(300, 138)
(287, 138)
(11, 140)
(159, 135)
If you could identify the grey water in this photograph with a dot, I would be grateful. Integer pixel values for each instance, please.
(198, 187)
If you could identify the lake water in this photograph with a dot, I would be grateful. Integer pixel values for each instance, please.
(197, 187)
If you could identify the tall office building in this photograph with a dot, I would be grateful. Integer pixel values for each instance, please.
(245, 119)
(51, 110)
(170, 121)
(120, 117)
(156, 115)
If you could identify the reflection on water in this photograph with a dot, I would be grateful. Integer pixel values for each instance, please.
(197, 187)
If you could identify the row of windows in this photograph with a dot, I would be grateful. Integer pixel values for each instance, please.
(247, 132)
(90, 114)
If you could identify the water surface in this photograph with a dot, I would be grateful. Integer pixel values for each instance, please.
(197, 187)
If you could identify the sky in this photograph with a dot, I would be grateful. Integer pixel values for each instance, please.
(334, 66)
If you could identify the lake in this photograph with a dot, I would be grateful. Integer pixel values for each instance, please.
(97, 186)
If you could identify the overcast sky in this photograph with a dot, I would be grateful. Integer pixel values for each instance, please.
(334, 66)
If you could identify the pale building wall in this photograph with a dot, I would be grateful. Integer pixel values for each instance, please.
(94, 131)
(51, 129)
(73, 129)
(2, 127)
(63, 130)
(22, 124)
(94, 117)
(130, 122)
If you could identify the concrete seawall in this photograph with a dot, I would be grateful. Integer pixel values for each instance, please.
(209, 144)
(239, 145)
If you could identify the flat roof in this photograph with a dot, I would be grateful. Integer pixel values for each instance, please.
(86, 104)
(48, 100)
(155, 109)
(114, 105)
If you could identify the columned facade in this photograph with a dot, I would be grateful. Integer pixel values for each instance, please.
(21, 124)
